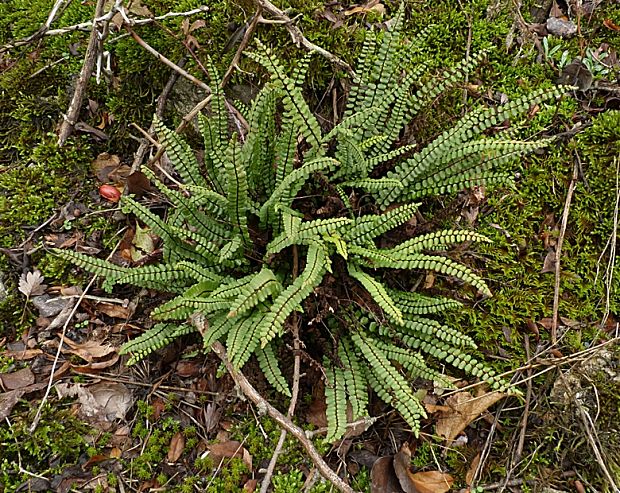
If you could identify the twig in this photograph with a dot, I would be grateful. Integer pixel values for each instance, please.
(166, 61)
(159, 111)
(558, 253)
(242, 45)
(37, 417)
(611, 244)
(43, 30)
(88, 26)
(526, 411)
(298, 37)
(590, 430)
(295, 391)
(70, 118)
(251, 393)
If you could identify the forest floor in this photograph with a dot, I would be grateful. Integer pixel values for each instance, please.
(76, 417)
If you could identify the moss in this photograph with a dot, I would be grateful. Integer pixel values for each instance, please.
(58, 441)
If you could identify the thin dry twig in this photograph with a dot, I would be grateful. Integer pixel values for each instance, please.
(159, 111)
(298, 37)
(295, 390)
(251, 393)
(44, 30)
(558, 252)
(73, 111)
(242, 45)
(611, 245)
(166, 61)
(526, 411)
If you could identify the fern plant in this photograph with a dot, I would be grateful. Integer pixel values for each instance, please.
(288, 218)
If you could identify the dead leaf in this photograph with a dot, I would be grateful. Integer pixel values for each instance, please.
(609, 24)
(114, 310)
(138, 183)
(229, 449)
(431, 482)
(17, 379)
(368, 7)
(104, 164)
(9, 399)
(102, 402)
(383, 478)
(143, 242)
(89, 350)
(549, 262)
(464, 408)
(175, 449)
(402, 463)
(250, 485)
(471, 471)
(31, 284)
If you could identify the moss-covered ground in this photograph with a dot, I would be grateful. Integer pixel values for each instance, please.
(37, 179)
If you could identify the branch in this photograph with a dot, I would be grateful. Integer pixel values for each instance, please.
(80, 88)
(88, 26)
(298, 37)
(251, 393)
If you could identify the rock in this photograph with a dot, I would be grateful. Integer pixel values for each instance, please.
(563, 28)
(48, 306)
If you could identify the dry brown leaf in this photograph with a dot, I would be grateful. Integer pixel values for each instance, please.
(383, 478)
(250, 485)
(175, 450)
(431, 482)
(402, 463)
(230, 449)
(464, 408)
(17, 379)
(102, 402)
(104, 164)
(21, 355)
(113, 310)
(89, 350)
(471, 471)
(31, 284)
(368, 7)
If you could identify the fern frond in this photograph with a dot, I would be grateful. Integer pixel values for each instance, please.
(419, 304)
(378, 293)
(354, 379)
(431, 328)
(94, 265)
(412, 362)
(262, 285)
(336, 402)
(307, 231)
(292, 183)
(243, 339)
(436, 263)
(389, 384)
(180, 154)
(370, 226)
(269, 365)
(145, 275)
(217, 327)
(153, 339)
(433, 240)
(161, 229)
(293, 295)
(295, 105)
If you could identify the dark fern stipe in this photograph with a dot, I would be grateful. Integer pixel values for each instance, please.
(258, 201)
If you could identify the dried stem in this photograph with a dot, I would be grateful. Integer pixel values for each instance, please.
(251, 393)
(558, 252)
(298, 37)
(73, 112)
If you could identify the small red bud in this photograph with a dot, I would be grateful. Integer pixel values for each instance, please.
(110, 193)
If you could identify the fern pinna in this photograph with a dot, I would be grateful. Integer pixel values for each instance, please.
(288, 218)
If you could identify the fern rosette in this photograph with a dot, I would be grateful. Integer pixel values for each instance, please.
(287, 218)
